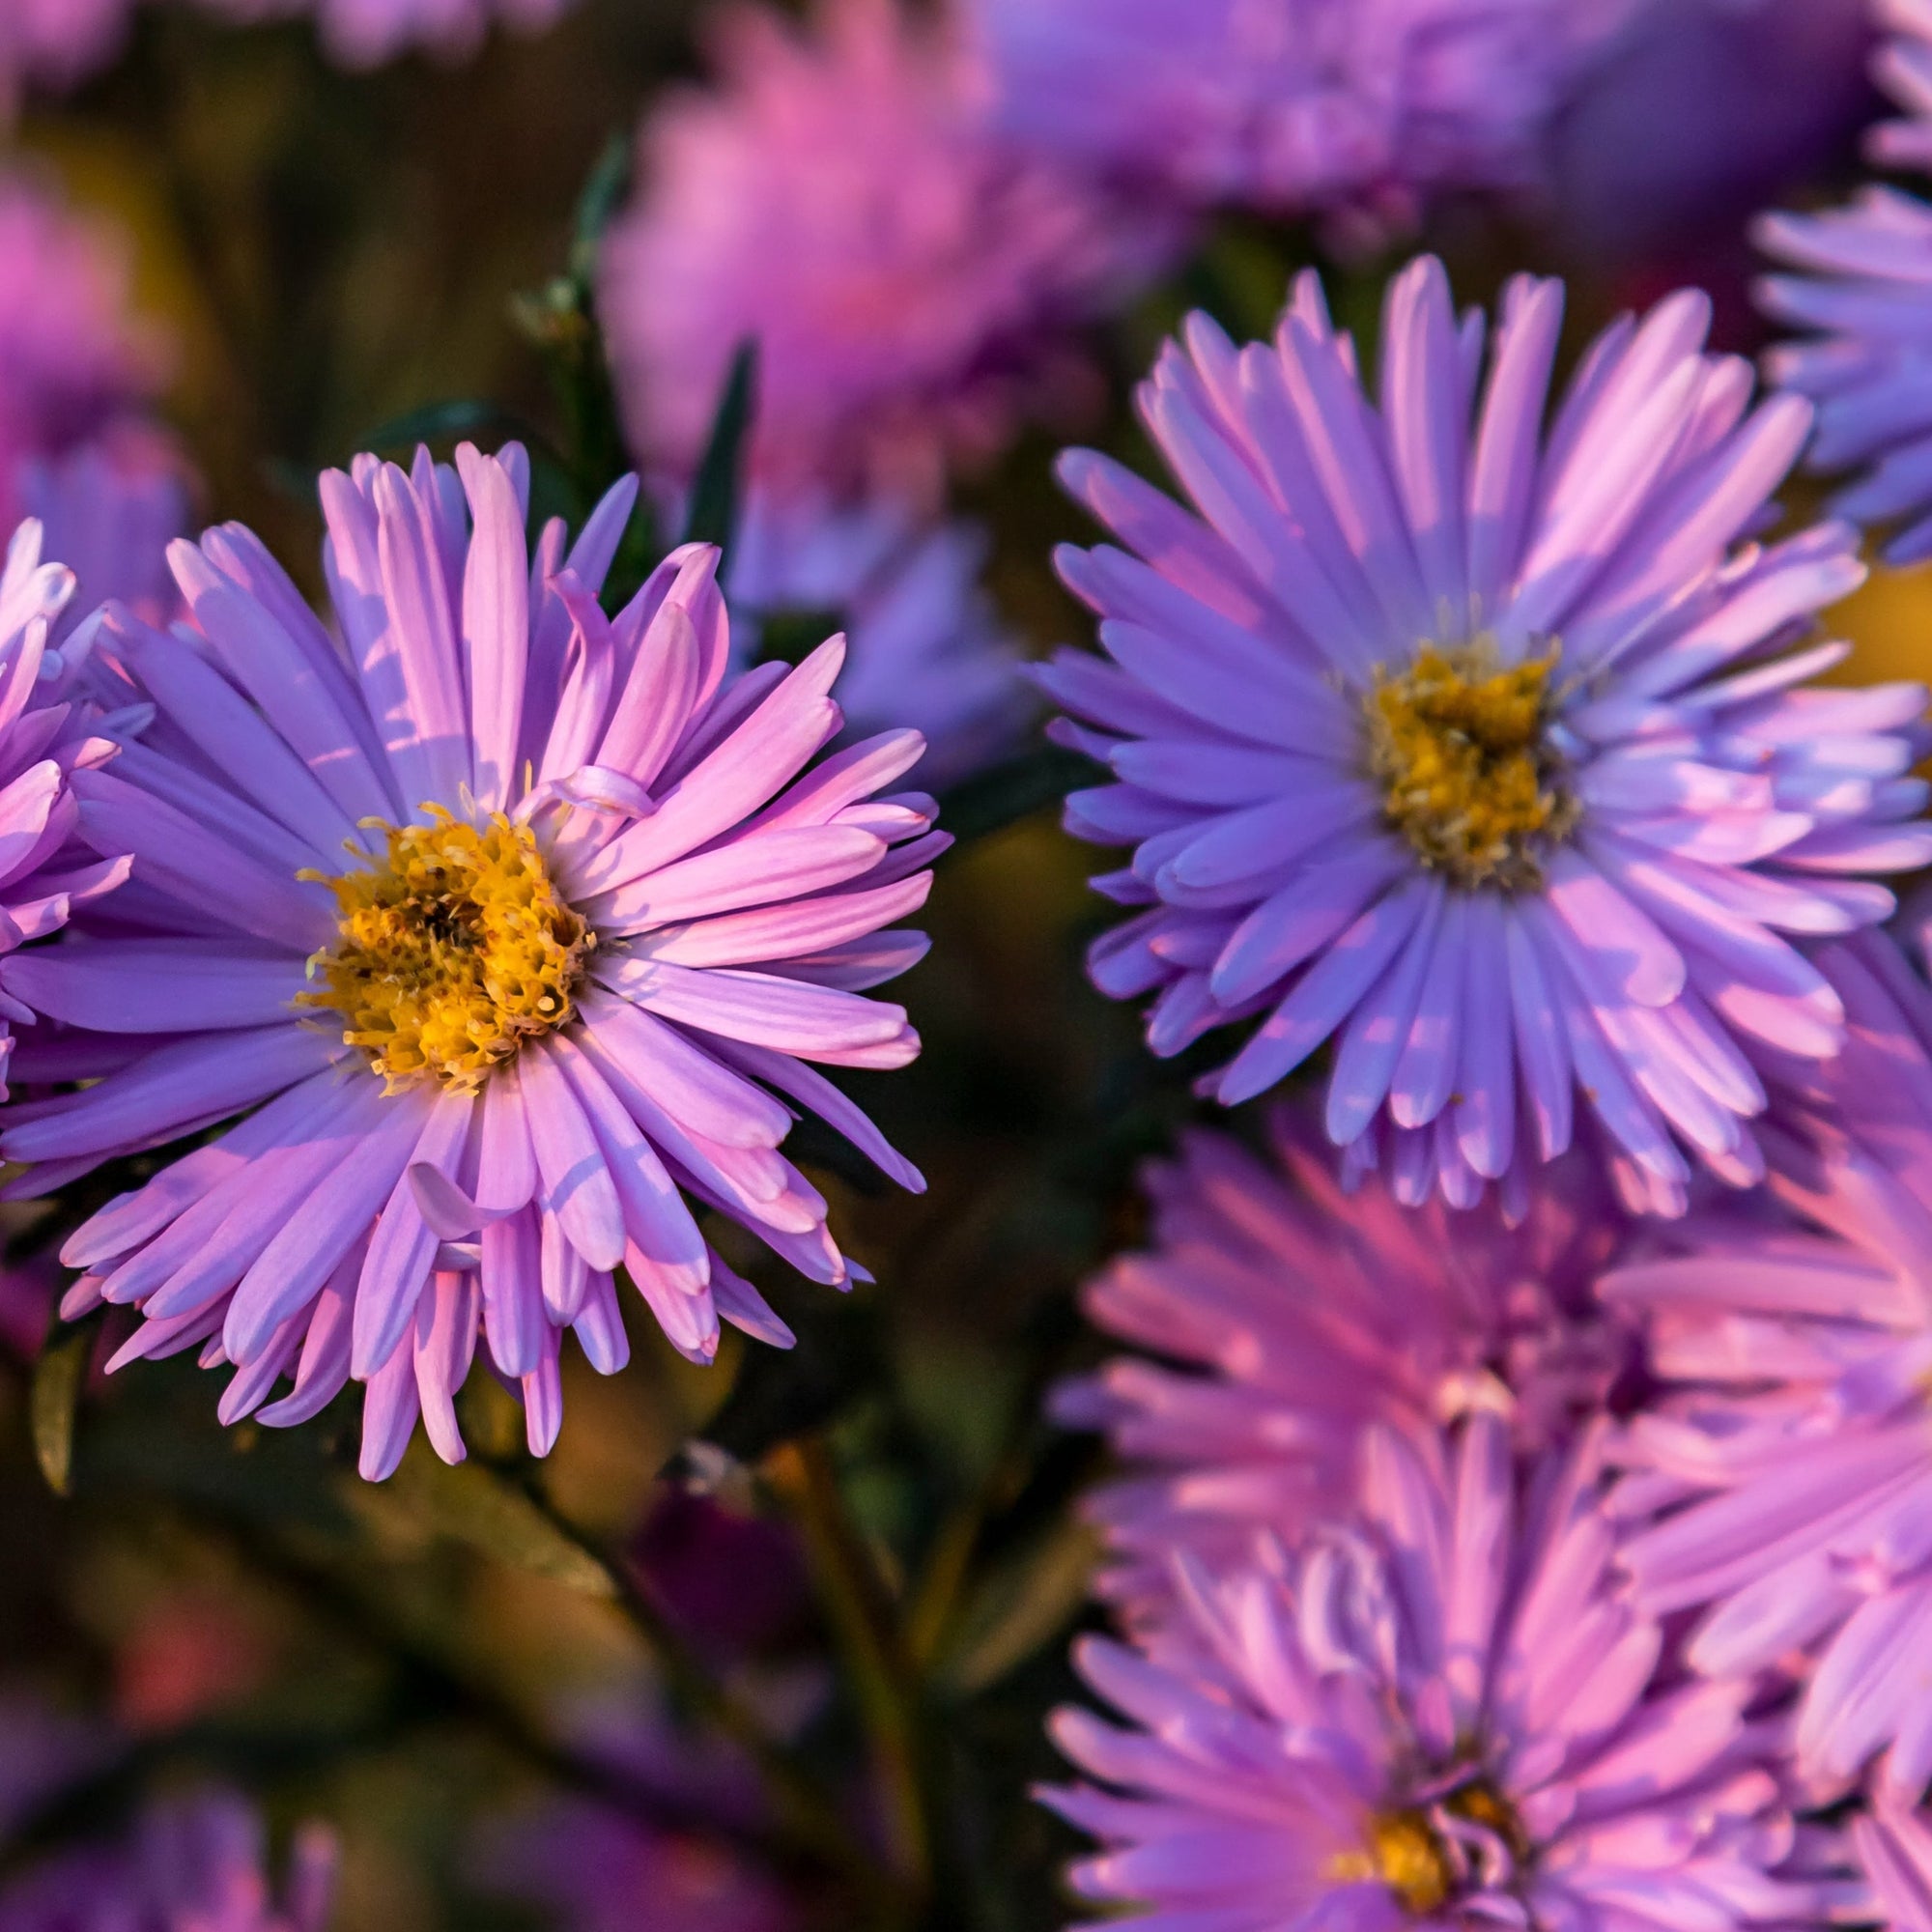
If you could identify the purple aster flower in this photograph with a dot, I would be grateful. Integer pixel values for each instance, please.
(1792, 1468)
(508, 928)
(1893, 1844)
(196, 1866)
(366, 32)
(1365, 105)
(927, 648)
(1861, 295)
(1440, 1712)
(47, 868)
(910, 281)
(1285, 1317)
(1475, 747)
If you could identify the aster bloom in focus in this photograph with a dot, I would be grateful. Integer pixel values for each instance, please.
(1294, 105)
(366, 32)
(1860, 291)
(1282, 1318)
(1477, 748)
(1792, 1468)
(47, 869)
(1443, 1715)
(196, 1866)
(75, 365)
(927, 646)
(909, 281)
(510, 929)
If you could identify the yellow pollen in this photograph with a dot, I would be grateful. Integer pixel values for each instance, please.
(1409, 1859)
(1459, 744)
(452, 951)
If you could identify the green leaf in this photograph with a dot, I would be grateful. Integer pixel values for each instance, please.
(473, 1505)
(991, 800)
(1022, 1607)
(714, 496)
(609, 182)
(450, 421)
(51, 1405)
(790, 636)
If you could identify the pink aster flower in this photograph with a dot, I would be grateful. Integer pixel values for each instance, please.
(927, 648)
(54, 43)
(506, 928)
(1894, 1849)
(1478, 747)
(1294, 105)
(1282, 1318)
(1442, 1713)
(910, 282)
(1861, 294)
(47, 869)
(74, 365)
(1793, 1464)
(196, 1866)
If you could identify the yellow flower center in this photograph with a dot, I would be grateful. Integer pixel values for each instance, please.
(1410, 1850)
(1460, 747)
(452, 951)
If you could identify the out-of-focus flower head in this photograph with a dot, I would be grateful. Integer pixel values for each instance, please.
(733, 1582)
(1477, 748)
(1285, 1318)
(1791, 1466)
(47, 867)
(53, 44)
(1441, 1712)
(1860, 291)
(1696, 115)
(109, 510)
(1370, 108)
(366, 32)
(75, 365)
(1894, 1850)
(509, 928)
(911, 282)
(926, 647)
(197, 1865)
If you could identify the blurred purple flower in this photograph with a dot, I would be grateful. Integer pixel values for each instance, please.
(508, 928)
(1285, 1317)
(910, 282)
(366, 32)
(1893, 1844)
(197, 1867)
(109, 511)
(1862, 298)
(733, 1584)
(1441, 1713)
(1370, 107)
(593, 1870)
(1700, 111)
(75, 366)
(47, 868)
(53, 44)
(1795, 1464)
(1475, 749)
(927, 648)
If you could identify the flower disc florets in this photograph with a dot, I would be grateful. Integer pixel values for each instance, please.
(453, 950)
(1460, 746)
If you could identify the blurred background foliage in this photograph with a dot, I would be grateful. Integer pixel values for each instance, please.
(347, 259)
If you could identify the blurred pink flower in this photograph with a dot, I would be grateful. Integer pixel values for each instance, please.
(53, 44)
(366, 32)
(911, 282)
(76, 366)
(1282, 1318)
